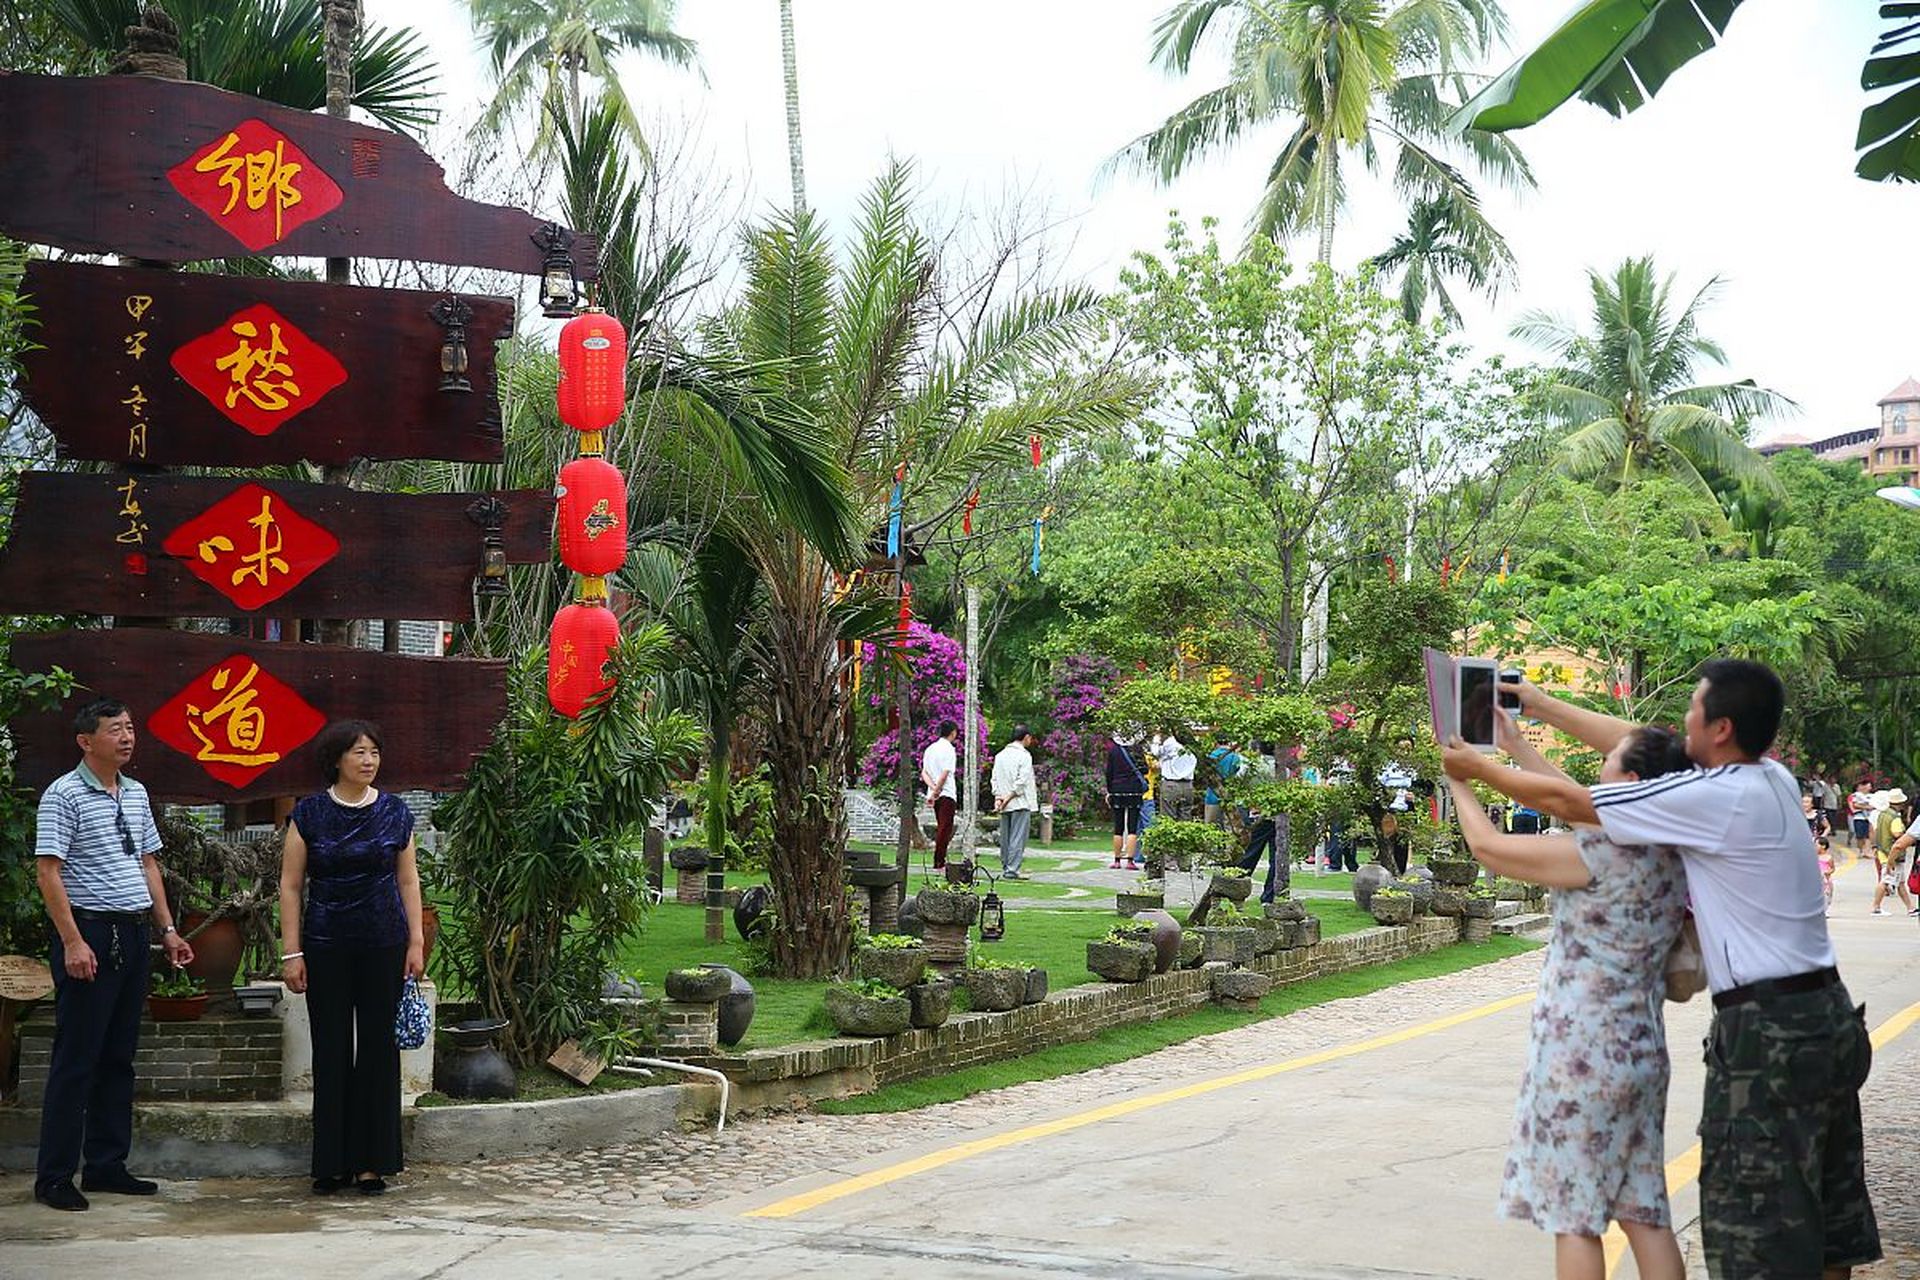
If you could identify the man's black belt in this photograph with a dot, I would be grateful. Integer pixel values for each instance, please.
(1793, 984)
(112, 917)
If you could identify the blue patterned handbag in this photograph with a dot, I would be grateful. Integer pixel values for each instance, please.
(411, 1021)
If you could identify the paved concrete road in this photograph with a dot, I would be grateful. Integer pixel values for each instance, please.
(1358, 1139)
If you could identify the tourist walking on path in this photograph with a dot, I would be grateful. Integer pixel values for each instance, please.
(1860, 814)
(938, 764)
(1589, 1140)
(1126, 792)
(1177, 767)
(357, 938)
(1816, 818)
(1227, 762)
(1783, 1187)
(1264, 837)
(1887, 829)
(1015, 797)
(94, 847)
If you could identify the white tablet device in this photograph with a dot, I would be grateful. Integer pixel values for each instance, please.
(1474, 682)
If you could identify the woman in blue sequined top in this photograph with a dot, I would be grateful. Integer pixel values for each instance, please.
(350, 929)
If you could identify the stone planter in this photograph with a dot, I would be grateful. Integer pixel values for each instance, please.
(1232, 944)
(1480, 908)
(1366, 881)
(1449, 900)
(1130, 905)
(862, 858)
(1420, 890)
(873, 877)
(994, 990)
(1232, 888)
(1286, 909)
(690, 857)
(1394, 910)
(1475, 929)
(1455, 871)
(937, 905)
(1510, 891)
(1306, 933)
(736, 1008)
(946, 945)
(1192, 949)
(1165, 939)
(699, 986)
(856, 1015)
(932, 1002)
(1121, 961)
(1036, 986)
(896, 966)
(1269, 935)
(1238, 988)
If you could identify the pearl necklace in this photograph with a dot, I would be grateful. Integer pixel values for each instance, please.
(362, 803)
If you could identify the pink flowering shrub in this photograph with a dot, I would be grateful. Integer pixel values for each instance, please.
(939, 692)
(1071, 762)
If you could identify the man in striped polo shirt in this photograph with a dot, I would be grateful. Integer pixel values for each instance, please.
(94, 850)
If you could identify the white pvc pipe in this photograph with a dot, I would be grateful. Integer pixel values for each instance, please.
(632, 1067)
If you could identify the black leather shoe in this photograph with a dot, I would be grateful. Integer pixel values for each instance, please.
(372, 1186)
(119, 1184)
(61, 1195)
(327, 1186)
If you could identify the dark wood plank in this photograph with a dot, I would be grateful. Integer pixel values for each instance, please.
(435, 714)
(127, 369)
(92, 544)
(87, 162)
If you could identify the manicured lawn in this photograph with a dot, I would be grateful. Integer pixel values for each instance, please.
(1122, 1043)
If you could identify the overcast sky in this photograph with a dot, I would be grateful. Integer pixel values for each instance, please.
(1741, 168)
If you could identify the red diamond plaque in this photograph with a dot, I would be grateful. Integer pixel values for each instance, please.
(256, 184)
(251, 546)
(258, 369)
(236, 721)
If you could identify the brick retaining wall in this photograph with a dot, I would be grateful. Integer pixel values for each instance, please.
(212, 1060)
(795, 1074)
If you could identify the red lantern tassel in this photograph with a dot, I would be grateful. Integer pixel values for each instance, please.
(1033, 447)
(966, 517)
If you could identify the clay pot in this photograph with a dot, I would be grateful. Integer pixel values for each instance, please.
(216, 949)
(751, 919)
(178, 1008)
(736, 1008)
(1165, 939)
(1366, 881)
(470, 1066)
(429, 930)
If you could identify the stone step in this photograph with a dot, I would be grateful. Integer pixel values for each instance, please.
(1528, 925)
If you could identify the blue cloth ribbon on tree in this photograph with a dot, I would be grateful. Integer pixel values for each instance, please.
(1039, 524)
(893, 522)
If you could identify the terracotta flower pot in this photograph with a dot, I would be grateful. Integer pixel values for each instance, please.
(216, 949)
(177, 1008)
(429, 929)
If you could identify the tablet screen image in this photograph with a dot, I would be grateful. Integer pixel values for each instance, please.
(1477, 677)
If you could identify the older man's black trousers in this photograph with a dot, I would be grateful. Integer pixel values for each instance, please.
(87, 1113)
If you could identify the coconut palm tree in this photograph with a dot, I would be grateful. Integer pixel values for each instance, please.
(865, 351)
(1433, 247)
(273, 49)
(1627, 393)
(542, 48)
(790, 76)
(1375, 79)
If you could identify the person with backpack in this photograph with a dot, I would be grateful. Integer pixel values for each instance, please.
(1126, 792)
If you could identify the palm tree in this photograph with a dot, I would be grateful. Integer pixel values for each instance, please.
(790, 75)
(1433, 247)
(862, 351)
(543, 47)
(1351, 76)
(1627, 392)
(274, 49)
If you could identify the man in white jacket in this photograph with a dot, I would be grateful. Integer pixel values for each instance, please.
(1015, 797)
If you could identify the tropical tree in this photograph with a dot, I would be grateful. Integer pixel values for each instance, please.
(1353, 77)
(1436, 245)
(1626, 390)
(890, 364)
(541, 49)
(273, 49)
(790, 80)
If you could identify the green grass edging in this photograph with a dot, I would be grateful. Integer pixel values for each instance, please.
(1118, 1044)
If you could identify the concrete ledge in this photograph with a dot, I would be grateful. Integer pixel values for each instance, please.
(479, 1131)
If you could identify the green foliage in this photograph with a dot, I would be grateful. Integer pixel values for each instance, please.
(23, 918)
(174, 984)
(893, 942)
(1130, 931)
(1187, 843)
(539, 857)
(871, 989)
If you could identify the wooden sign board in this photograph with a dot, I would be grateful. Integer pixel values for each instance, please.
(223, 720)
(177, 172)
(151, 546)
(174, 368)
(576, 1064)
(23, 978)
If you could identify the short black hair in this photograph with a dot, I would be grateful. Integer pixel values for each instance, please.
(947, 727)
(1750, 695)
(336, 740)
(1653, 751)
(87, 719)
(1020, 731)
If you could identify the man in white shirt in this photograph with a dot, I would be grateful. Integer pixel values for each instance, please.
(1177, 766)
(1015, 797)
(938, 764)
(1782, 1175)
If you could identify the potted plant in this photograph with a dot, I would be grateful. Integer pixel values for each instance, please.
(1449, 900)
(993, 986)
(1126, 954)
(892, 958)
(698, 986)
(1477, 922)
(868, 1008)
(1227, 937)
(1145, 895)
(1392, 904)
(1185, 844)
(947, 904)
(176, 996)
(1449, 869)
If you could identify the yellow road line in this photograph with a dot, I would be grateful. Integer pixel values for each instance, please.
(1685, 1167)
(1066, 1124)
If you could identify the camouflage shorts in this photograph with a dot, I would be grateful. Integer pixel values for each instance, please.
(1783, 1182)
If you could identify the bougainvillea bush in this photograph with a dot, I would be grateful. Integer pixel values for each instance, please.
(1071, 762)
(939, 691)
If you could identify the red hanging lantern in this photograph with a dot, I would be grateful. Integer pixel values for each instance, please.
(593, 516)
(581, 638)
(906, 611)
(593, 373)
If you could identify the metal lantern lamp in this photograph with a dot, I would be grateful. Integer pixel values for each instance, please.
(559, 291)
(993, 912)
(452, 315)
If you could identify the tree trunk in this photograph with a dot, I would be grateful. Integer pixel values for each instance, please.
(789, 65)
(1313, 642)
(969, 741)
(806, 760)
(719, 810)
(342, 33)
(903, 702)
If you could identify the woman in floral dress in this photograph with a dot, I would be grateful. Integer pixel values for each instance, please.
(1589, 1145)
